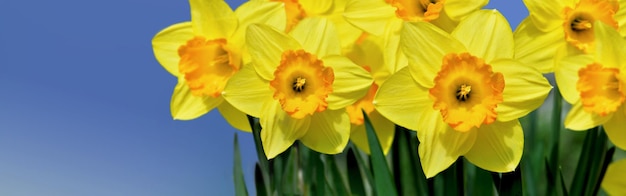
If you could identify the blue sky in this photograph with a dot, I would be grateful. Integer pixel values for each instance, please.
(84, 107)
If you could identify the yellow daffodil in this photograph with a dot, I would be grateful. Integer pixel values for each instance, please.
(384, 18)
(614, 182)
(366, 52)
(203, 54)
(297, 10)
(463, 93)
(563, 23)
(298, 85)
(595, 85)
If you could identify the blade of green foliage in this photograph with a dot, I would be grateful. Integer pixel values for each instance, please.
(453, 178)
(553, 162)
(240, 184)
(290, 181)
(405, 166)
(365, 169)
(585, 161)
(482, 183)
(563, 188)
(263, 162)
(599, 164)
(258, 181)
(355, 179)
(337, 178)
(383, 180)
(509, 183)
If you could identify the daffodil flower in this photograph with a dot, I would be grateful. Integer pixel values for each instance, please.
(366, 52)
(384, 18)
(298, 86)
(595, 85)
(463, 93)
(614, 182)
(563, 23)
(297, 10)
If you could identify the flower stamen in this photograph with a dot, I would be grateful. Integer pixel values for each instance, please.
(298, 84)
(463, 93)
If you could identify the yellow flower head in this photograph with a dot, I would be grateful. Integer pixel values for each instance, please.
(595, 85)
(298, 85)
(463, 93)
(555, 24)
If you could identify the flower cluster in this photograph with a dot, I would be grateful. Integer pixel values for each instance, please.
(448, 69)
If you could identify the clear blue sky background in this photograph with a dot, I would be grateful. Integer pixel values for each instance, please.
(84, 107)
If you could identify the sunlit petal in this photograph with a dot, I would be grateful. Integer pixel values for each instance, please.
(614, 182)
(266, 46)
(525, 89)
(486, 34)
(369, 15)
(440, 145)
(212, 18)
(329, 132)
(425, 45)
(166, 43)
(234, 117)
(317, 36)
(185, 106)
(279, 129)
(246, 89)
(536, 48)
(615, 128)
(383, 128)
(351, 82)
(579, 120)
(545, 14)
(566, 75)
(457, 9)
(498, 146)
(401, 100)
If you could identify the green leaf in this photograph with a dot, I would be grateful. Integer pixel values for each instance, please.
(585, 161)
(258, 181)
(383, 180)
(563, 188)
(453, 178)
(410, 180)
(290, 180)
(553, 162)
(355, 179)
(240, 184)
(337, 180)
(509, 183)
(482, 183)
(264, 170)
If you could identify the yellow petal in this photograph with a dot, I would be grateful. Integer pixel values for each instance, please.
(457, 9)
(266, 46)
(166, 43)
(234, 117)
(566, 75)
(401, 100)
(279, 129)
(394, 57)
(580, 120)
(212, 18)
(185, 106)
(498, 146)
(524, 91)
(316, 7)
(610, 46)
(369, 15)
(329, 132)
(351, 82)
(615, 128)
(486, 34)
(614, 182)
(620, 16)
(245, 90)
(383, 128)
(545, 14)
(425, 45)
(266, 12)
(536, 48)
(317, 36)
(440, 145)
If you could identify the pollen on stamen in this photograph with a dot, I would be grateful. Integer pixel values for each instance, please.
(463, 92)
(298, 84)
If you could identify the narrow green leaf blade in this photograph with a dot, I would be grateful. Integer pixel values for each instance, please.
(240, 183)
(355, 179)
(383, 180)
